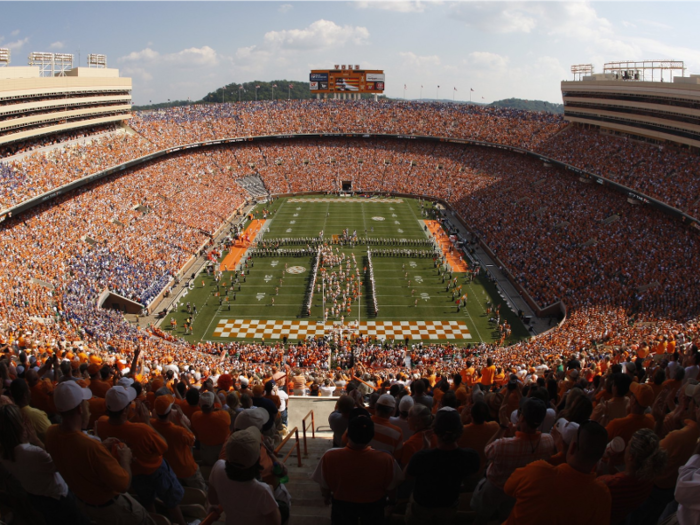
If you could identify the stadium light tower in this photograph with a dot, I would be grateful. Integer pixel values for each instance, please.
(581, 69)
(51, 64)
(4, 56)
(97, 61)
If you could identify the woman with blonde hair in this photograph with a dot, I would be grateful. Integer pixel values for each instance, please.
(630, 488)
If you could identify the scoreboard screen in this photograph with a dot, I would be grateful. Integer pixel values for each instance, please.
(346, 81)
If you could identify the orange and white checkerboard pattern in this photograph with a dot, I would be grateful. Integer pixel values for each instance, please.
(293, 329)
(339, 199)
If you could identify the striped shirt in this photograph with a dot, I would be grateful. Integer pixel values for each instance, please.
(387, 437)
(507, 454)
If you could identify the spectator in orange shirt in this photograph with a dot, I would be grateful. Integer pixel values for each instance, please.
(642, 398)
(152, 475)
(99, 386)
(479, 432)
(169, 424)
(419, 421)
(488, 374)
(547, 494)
(342, 475)
(98, 479)
(211, 426)
(630, 488)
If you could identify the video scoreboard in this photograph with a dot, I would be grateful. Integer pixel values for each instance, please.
(346, 79)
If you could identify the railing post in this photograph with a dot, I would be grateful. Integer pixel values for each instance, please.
(313, 427)
(296, 432)
(303, 430)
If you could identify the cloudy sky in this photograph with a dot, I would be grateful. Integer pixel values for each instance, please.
(176, 50)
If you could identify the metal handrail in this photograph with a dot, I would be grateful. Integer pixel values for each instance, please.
(295, 432)
(214, 514)
(303, 430)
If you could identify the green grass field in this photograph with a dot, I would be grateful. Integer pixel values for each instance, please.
(268, 277)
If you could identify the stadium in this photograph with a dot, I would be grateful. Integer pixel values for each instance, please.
(480, 262)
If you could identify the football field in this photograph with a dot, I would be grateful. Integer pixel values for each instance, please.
(415, 300)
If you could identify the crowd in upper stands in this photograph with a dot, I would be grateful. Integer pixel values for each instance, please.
(622, 271)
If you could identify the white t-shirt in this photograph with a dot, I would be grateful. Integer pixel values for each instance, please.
(243, 501)
(35, 471)
(327, 391)
(283, 400)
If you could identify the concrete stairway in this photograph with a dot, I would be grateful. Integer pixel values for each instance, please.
(307, 503)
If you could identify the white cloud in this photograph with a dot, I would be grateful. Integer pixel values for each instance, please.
(410, 59)
(285, 8)
(497, 17)
(15, 32)
(191, 57)
(397, 6)
(57, 45)
(487, 60)
(320, 34)
(17, 44)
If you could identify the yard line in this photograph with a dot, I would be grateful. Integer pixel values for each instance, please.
(210, 322)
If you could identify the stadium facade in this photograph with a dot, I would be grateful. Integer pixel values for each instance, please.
(655, 110)
(32, 105)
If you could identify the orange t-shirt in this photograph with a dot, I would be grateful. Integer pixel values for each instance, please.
(211, 429)
(413, 445)
(345, 472)
(541, 489)
(91, 472)
(145, 443)
(99, 388)
(487, 375)
(42, 397)
(625, 427)
(476, 436)
(187, 409)
(180, 442)
(98, 408)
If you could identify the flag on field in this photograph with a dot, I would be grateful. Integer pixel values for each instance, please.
(274, 85)
(482, 98)
(421, 87)
(257, 87)
(438, 87)
(404, 86)
(455, 89)
(290, 86)
(471, 89)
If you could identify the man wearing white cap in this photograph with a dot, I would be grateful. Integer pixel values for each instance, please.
(387, 437)
(233, 483)
(152, 475)
(98, 478)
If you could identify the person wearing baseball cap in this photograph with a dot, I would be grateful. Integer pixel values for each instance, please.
(433, 502)
(387, 437)
(98, 478)
(169, 422)
(33, 470)
(641, 398)
(152, 475)
(233, 482)
(506, 454)
(342, 474)
(544, 493)
(211, 427)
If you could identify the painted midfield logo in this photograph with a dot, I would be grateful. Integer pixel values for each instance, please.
(378, 219)
(296, 269)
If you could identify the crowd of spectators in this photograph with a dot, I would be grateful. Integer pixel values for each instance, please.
(621, 270)
(667, 173)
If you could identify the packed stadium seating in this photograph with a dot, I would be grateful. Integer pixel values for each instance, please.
(623, 272)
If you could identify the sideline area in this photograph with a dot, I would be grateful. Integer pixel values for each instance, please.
(242, 244)
(457, 263)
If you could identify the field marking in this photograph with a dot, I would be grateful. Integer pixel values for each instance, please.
(301, 329)
(334, 200)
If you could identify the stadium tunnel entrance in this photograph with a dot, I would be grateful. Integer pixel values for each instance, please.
(347, 185)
